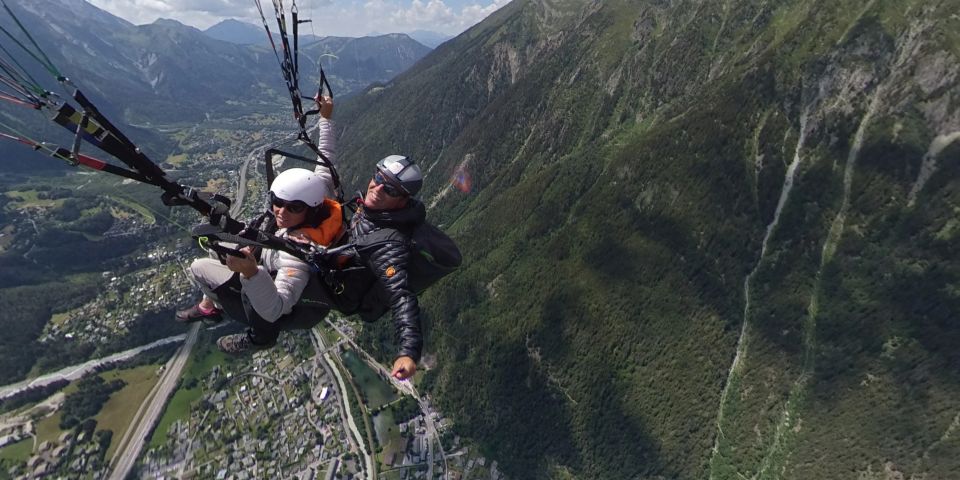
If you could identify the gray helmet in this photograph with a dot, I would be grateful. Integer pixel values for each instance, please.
(402, 172)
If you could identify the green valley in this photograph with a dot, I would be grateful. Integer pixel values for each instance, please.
(702, 240)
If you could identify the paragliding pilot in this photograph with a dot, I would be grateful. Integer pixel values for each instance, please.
(380, 231)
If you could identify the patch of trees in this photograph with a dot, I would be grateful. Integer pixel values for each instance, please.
(429, 381)
(153, 356)
(103, 439)
(405, 409)
(93, 392)
(149, 327)
(72, 253)
(18, 271)
(55, 193)
(31, 395)
(66, 353)
(4, 200)
(72, 209)
(95, 224)
(68, 212)
(377, 339)
(24, 316)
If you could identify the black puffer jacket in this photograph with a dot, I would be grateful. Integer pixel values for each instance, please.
(383, 282)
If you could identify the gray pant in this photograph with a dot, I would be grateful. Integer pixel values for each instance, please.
(223, 287)
(208, 274)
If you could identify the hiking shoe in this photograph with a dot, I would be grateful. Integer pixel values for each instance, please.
(241, 343)
(194, 314)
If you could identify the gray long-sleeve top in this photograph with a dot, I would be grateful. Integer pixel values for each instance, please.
(327, 142)
(273, 298)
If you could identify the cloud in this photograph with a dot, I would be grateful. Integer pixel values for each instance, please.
(473, 14)
(439, 16)
(340, 17)
(433, 12)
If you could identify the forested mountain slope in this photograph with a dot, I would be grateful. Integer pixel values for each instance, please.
(703, 240)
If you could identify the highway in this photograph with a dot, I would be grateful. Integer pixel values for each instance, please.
(255, 155)
(237, 205)
(149, 412)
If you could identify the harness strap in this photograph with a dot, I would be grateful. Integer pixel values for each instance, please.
(290, 67)
(296, 42)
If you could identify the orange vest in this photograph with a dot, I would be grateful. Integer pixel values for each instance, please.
(331, 229)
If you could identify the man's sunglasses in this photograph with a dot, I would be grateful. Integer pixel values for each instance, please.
(295, 206)
(388, 188)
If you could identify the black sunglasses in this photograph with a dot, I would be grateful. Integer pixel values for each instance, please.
(294, 206)
(388, 188)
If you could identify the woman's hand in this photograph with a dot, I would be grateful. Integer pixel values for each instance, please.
(298, 236)
(246, 266)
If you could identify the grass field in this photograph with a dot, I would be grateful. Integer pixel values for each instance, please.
(217, 185)
(59, 318)
(118, 412)
(200, 366)
(388, 434)
(49, 428)
(147, 215)
(17, 452)
(28, 198)
(330, 336)
(177, 160)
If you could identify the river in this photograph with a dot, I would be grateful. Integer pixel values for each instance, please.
(78, 371)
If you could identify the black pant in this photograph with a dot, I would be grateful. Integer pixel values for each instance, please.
(313, 306)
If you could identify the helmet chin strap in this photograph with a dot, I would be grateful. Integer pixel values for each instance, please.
(309, 218)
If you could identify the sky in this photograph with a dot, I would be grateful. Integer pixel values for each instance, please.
(351, 18)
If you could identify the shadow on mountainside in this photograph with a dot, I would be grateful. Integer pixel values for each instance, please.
(587, 364)
(893, 280)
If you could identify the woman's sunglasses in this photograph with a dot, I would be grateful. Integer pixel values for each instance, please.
(388, 188)
(294, 206)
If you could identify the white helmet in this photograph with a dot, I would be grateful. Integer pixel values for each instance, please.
(300, 184)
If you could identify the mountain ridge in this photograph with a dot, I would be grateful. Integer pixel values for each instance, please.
(167, 60)
(171, 74)
(660, 164)
(236, 31)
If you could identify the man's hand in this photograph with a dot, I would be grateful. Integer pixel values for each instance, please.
(403, 368)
